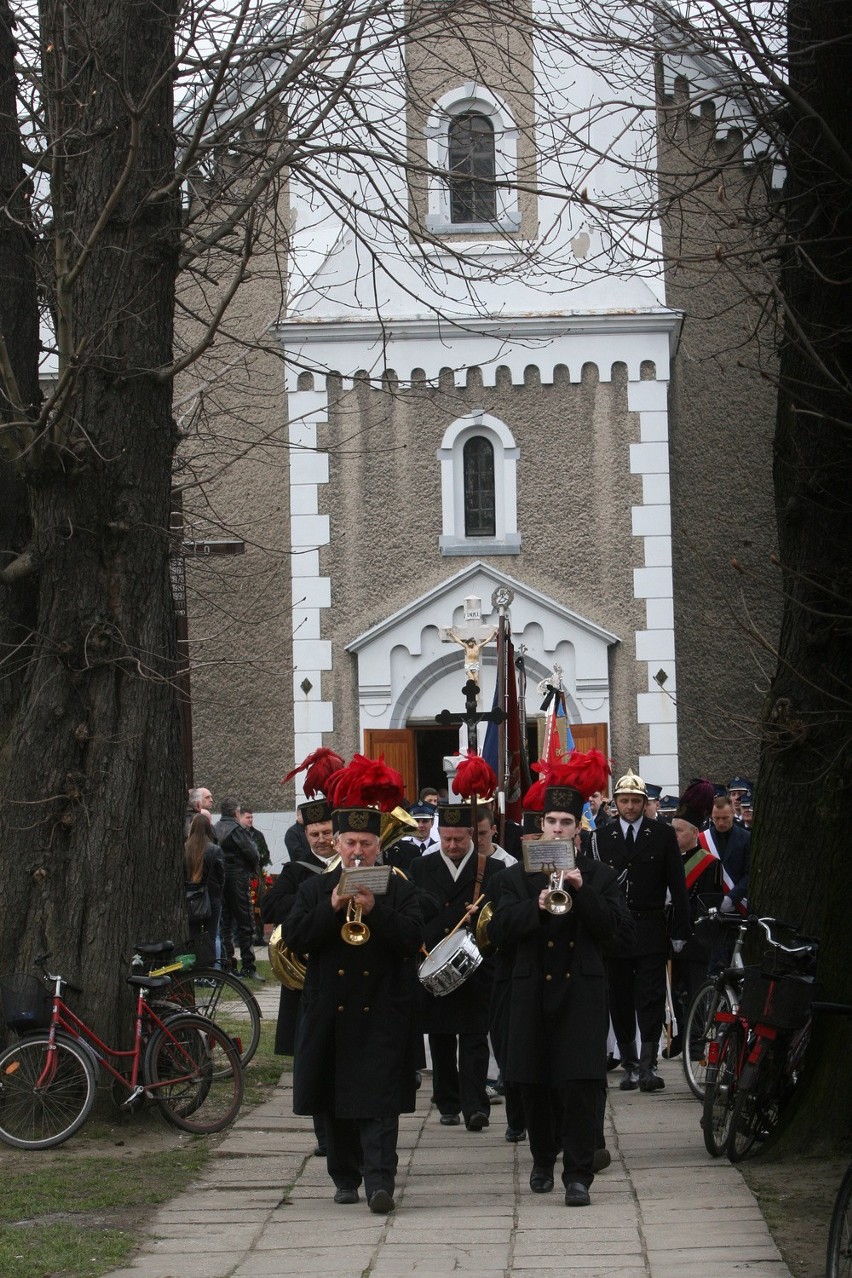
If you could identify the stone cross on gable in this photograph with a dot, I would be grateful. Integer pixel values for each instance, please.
(472, 635)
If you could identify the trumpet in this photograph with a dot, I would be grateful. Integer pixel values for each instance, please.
(354, 930)
(557, 900)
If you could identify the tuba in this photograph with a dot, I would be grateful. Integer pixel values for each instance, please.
(288, 967)
(485, 944)
(394, 825)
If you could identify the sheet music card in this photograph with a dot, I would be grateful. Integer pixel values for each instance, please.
(375, 878)
(543, 856)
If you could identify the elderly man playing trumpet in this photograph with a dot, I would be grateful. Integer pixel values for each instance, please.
(356, 1052)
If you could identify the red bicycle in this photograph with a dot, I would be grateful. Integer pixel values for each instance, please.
(48, 1079)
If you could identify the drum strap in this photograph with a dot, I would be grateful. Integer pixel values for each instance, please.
(480, 874)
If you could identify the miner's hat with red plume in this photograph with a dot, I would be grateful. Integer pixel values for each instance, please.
(533, 807)
(568, 785)
(696, 803)
(361, 792)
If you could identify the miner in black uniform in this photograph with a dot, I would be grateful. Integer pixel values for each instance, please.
(558, 1017)
(356, 1049)
(451, 880)
(276, 906)
(646, 858)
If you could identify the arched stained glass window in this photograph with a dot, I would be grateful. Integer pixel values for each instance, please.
(480, 519)
(473, 195)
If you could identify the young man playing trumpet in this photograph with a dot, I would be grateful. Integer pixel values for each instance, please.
(558, 1016)
(356, 1051)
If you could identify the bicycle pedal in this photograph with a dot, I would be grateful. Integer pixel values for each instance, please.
(135, 1098)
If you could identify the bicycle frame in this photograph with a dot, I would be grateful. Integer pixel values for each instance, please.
(63, 1019)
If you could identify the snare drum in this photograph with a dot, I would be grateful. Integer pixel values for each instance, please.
(450, 963)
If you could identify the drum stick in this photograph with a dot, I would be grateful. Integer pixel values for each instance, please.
(463, 918)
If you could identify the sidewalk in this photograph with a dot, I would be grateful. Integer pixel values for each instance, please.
(664, 1209)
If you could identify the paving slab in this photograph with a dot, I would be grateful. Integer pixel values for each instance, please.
(664, 1209)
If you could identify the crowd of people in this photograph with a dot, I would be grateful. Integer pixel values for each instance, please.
(222, 863)
(571, 977)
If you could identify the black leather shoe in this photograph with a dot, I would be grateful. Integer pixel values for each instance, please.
(515, 1134)
(601, 1159)
(576, 1195)
(450, 1120)
(476, 1122)
(631, 1079)
(541, 1180)
(319, 1151)
(381, 1203)
(346, 1196)
(649, 1081)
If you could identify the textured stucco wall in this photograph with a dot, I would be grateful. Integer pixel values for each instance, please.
(574, 498)
(722, 410)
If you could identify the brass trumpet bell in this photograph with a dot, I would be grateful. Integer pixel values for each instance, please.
(354, 931)
(558, 901)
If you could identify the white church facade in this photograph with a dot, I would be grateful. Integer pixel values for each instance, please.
(513, 386)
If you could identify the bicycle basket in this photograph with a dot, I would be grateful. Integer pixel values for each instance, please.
(780, 1001)
(24, 1003)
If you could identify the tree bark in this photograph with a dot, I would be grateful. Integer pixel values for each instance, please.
(91, 792)
(802, 869)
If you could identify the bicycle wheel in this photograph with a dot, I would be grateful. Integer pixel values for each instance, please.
(720, 1091)
(194, 1073)
(224, 999)
(39, 1117)
(700, 1030)
(755, 1110)
(838, 1260)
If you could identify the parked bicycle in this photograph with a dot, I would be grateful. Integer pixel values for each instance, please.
(48, 1079)
(220, 996)
(740, 1042)
(718, 993)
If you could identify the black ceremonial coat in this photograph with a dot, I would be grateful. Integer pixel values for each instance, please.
(466, 1010)
(653, 868)
(558, 1010)
(275, 907)
(357, 1043)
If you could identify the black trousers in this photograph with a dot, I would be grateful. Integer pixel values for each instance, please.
(237, 919)
(564, 1117)
(637, 992)
(365, 1148)
(459, 1073)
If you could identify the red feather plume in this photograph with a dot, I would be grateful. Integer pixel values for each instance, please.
(585, 772)
(474, 777)
(533, 800)
(698, 799)
(366, 783)
(318, 768)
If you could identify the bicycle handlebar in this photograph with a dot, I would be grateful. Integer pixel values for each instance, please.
(809, 945)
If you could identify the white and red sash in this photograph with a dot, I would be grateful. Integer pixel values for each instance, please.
(705, 840)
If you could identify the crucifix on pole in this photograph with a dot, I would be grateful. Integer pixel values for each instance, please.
(473, 636)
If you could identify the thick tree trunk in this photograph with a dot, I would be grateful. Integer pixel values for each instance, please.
(802, 864)
(91, 791)
(19, 329)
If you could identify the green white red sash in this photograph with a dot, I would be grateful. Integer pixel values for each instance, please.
(695, 864)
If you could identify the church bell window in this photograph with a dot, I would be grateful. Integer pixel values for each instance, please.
(473, 195)
(479, 496)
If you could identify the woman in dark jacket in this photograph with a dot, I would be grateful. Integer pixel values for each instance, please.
(203, 865)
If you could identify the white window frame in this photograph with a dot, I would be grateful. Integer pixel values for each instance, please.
(472, 97)
(507, 539)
